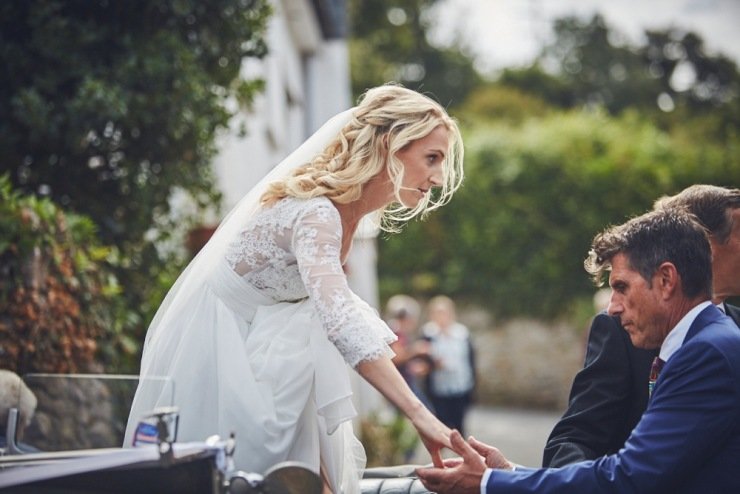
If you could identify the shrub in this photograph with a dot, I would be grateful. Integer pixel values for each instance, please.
(59, 301)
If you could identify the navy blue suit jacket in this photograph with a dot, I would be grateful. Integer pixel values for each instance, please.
(688, 440)
(608, 395)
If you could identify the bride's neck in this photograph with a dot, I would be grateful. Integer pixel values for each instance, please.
(373, 197)
(350, 216)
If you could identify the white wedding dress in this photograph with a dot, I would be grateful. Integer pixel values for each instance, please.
(261, 348)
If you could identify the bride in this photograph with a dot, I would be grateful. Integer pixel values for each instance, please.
(257, 332)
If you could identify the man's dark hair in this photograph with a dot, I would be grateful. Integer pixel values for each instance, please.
(663, 235)
(712, 205)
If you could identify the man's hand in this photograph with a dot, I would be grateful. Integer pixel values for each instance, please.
(459, 476)
(493, 457)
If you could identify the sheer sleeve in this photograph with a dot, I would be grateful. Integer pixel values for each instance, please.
(351, 324)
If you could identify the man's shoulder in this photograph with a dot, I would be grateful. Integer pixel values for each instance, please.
(715, 326)
(608, 337)
(719, 338)
(724, 333)
(606, 328)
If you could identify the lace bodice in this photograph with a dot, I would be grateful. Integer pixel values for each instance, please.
(291, 251)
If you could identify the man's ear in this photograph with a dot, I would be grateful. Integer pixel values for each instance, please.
(668, 279)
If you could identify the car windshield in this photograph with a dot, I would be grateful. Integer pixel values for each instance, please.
(76, 411)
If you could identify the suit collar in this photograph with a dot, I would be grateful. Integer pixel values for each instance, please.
(679, 334)
(704, 318)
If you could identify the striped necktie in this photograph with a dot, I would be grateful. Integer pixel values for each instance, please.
(655, 369)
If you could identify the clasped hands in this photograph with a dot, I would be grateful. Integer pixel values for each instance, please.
(463, 475)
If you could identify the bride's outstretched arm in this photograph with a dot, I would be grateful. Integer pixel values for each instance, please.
(383, 376)
(351, 325)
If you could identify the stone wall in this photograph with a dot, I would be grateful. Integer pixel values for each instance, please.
(78, 413)
(524, 362)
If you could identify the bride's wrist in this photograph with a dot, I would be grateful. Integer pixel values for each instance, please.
(418, 413)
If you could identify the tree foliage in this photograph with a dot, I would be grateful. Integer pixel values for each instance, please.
(589, 64)
(389, 43)
(108, 107)
(60, 303)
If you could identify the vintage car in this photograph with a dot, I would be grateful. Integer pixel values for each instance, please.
(63, 435)
(71, 443)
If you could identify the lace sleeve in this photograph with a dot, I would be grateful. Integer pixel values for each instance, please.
(352, 325)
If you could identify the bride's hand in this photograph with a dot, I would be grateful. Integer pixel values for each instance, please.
(384, 376)
(434, 434)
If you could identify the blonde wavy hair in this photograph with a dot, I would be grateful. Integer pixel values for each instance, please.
(387, 119)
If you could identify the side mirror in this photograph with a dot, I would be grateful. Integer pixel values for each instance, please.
(159, 427)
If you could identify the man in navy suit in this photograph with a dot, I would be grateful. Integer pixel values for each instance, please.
(688, 439)
(609, 395)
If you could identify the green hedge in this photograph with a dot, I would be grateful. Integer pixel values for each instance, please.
(515, 236)
(60, 304)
